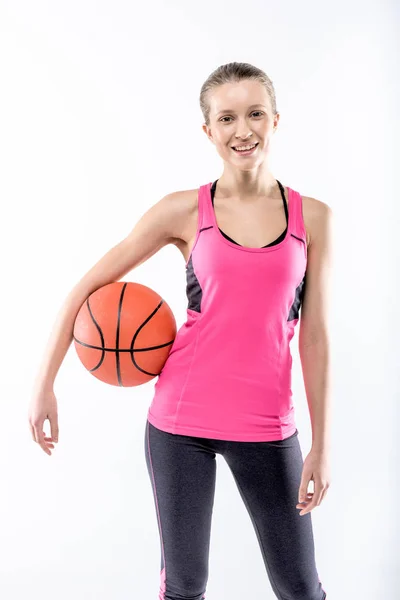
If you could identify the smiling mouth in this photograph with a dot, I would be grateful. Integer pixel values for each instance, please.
(254, 146)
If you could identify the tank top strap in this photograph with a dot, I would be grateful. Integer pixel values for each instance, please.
(205, 207)
(295, 209)
(296, 220)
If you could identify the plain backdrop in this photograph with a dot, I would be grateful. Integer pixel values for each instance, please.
(100, 118)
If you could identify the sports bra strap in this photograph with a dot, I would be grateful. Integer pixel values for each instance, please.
(295, 210)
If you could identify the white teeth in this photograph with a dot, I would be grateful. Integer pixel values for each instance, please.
(244, 147)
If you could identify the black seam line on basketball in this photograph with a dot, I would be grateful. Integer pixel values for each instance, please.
(137, 333)
(122, 349)
(298, 238)
(117, 350)
(101, 336)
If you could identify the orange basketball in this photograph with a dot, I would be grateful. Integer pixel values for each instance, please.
(123, 333)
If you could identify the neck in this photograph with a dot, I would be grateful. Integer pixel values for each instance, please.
(243, 184)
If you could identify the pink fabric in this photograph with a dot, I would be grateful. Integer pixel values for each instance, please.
(228, 374)
(162, 592)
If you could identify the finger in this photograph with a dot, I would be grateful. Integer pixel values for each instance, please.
(54, 429)
(35, 428)
(303, 491)
(40, 440)
(306, 501)
(32, 432)
(48, 441)
(307, 506)
(310, 506)
(324, 493)
(303, 506)
(314, 502)
(319, 494)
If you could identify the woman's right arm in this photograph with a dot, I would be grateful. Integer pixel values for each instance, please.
(162, 224)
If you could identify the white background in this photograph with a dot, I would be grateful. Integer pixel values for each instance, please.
(99, 119)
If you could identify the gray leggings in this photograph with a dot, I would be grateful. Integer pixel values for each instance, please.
(182, 471)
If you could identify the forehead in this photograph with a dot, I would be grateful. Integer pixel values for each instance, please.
(237, 96)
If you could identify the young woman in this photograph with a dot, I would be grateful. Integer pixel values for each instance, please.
(256, 252)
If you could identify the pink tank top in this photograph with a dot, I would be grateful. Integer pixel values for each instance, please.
(228, 374)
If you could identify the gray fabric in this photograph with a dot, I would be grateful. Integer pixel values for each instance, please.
(182, 471)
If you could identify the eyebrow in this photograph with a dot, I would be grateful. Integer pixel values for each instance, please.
(230, 110)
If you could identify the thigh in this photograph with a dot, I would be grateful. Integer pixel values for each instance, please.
(268, 476)
(182, 472)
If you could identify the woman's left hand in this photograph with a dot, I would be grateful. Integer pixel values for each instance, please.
(316, 468)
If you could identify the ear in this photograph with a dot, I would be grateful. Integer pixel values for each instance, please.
(276, 121)
(208, 133)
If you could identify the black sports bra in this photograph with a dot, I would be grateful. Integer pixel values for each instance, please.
(280, 238)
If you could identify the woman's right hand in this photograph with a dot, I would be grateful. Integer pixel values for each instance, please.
(44, 406)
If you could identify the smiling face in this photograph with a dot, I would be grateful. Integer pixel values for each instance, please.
(241, 114)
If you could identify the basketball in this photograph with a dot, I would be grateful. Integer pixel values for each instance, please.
(123, 333)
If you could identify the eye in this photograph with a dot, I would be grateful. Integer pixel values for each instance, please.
(254, 112)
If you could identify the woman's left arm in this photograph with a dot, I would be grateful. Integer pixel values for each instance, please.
(313, 333)
(315, 352)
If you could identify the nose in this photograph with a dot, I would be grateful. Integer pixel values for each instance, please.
(243, 133)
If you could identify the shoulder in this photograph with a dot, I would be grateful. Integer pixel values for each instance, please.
(317, 217)
(183, 199)
(182, 207)
(183, 203)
